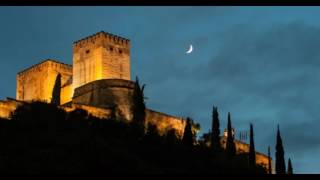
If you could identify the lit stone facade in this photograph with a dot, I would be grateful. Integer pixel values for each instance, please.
(99, 82)
(8, 106)
(242, 147)
(165, 122)
(36, 82)
(100, 56)
(107, 93)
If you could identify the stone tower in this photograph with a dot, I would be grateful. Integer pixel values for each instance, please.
(37, 81)
(100, 56)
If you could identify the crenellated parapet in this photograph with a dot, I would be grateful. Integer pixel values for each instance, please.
(37, 81)
(45, 63)
(102, 39)
(100, 56)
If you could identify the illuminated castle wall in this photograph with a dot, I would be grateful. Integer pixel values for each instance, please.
(36, 82)
(100, 56)
(99, 82)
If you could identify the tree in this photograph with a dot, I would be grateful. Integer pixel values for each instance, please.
(138, 108)
(187, 138)
(290, 170)
(215, 135)
(113, 115)
(205, 139)
(56, 91)
(38, 116)
(280, 162)
(269, 161)
(78, 119)
(252, 151)
(152, 136)
(171, 138)
(230, 146)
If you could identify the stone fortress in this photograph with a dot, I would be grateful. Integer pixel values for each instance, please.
(98, 81)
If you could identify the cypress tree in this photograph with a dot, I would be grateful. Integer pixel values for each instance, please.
(138, 109)
(215, 134)
(252, 151)
(230, 146)
(280, 162)
(187, 138)
(56, 91)
(138, 103)
(290, 170)
(269, 161)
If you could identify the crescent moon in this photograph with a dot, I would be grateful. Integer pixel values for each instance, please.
(190, 49)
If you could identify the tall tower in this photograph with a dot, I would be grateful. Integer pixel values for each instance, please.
(100, 56)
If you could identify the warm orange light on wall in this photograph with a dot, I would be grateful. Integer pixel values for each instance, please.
(66, 94)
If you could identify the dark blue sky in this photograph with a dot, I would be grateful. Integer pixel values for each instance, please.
(259, 63)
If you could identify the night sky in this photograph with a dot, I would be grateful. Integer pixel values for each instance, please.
(259, 63)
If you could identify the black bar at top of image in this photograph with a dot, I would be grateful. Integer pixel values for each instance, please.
(159, 2)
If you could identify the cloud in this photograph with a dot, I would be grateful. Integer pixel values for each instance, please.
(264, 76)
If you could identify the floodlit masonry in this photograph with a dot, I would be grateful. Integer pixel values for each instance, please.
(98, 81)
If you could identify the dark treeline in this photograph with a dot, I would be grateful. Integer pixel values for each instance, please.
(43, 138)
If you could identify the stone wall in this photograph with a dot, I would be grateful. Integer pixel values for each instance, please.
(94, 111)
(8, 106)
(66, 94)
(107, 93)
(36, 82)
(100, 56)
(242, 147)
(117, 93)
(165, 122)
(99, 97)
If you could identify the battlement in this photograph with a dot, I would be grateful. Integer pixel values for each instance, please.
(102, 35)
(44, 63)
(36, 82)
(100, 56)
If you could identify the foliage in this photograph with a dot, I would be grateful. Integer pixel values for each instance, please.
(138, 109)
(280, 162)
(230, 146)
(56, 92)
(290, 169)
(215, 135)
(188, 136)
(252, 151)
(269, 162)
(42, 138)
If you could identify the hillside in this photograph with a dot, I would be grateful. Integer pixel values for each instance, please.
(42, 138)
